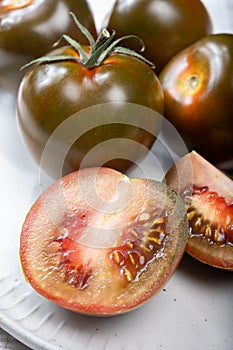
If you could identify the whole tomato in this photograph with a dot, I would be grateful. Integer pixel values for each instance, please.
(71, 79)
(198, 92)
(165, 26)
(29, 28)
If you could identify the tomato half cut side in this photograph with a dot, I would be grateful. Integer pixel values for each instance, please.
(208, 195)
(99, 243)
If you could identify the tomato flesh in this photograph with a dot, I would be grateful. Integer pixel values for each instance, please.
(106, 255)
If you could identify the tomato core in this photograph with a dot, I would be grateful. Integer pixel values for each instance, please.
(9, 5)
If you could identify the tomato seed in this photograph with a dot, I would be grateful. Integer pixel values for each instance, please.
(135, 254)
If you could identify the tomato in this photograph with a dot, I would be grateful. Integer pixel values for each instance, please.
(52, 91)
(99, 243)
(165, 26)
(208, 195)
(29, 28)
(198, 91)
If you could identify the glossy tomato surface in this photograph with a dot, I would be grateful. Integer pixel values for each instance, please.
(165, 26)
(99, 243)
(208, 195)
(29, 28)
(50, 93)
(198, 90)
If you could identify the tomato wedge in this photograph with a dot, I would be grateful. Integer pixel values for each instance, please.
(99, 243)
(208, 195)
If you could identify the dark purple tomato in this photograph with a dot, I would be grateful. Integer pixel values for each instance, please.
(198, 92)
(53, 91)
(165, 26)
(29, 28)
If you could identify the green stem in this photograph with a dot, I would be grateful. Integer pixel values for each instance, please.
(99, 49)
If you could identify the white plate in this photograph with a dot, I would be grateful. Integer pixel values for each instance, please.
(194, 311)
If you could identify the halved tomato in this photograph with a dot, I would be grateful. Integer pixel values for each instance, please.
(208, 195)
(99, 243)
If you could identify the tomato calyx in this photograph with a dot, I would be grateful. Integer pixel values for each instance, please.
(98, 51)
(215, 221)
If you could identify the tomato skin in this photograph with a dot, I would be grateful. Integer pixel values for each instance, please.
(198, 90)
(51, 93)
(30, 32)
(166, 27)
